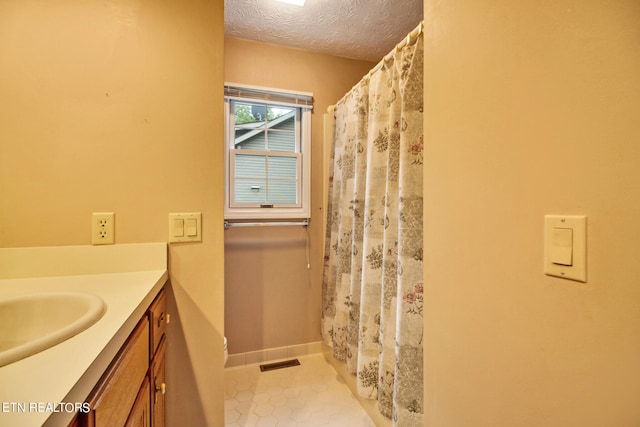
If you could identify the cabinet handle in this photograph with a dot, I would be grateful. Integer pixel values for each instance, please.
(162, 389)
(160, 319)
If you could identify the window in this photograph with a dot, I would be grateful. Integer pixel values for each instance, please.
(268, 153)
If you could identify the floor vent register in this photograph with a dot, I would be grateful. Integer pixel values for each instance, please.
(279, 365)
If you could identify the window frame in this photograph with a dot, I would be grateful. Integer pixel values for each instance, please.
(269, 97)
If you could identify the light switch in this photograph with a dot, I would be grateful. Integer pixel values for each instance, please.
(185, 227)
(178, 227)
(562, 246)
(192, 227)
(565, 253)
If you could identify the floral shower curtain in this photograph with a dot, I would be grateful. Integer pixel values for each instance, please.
(372, 284)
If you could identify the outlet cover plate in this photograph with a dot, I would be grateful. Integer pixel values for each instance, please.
(103, 228)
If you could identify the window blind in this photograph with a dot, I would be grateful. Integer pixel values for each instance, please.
(241, 92)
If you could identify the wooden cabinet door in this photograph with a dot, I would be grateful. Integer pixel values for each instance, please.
(140, 415)
(75, 422)
(158, 384)
(116, 392)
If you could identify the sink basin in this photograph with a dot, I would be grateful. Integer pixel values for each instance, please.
(35, 322)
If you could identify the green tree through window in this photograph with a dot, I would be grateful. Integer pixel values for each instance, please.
(244, 114)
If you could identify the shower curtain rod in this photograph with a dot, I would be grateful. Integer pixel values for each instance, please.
(228, 224)
(411, 37)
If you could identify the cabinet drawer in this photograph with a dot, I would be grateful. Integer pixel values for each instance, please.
(117, 390)
(158, 319)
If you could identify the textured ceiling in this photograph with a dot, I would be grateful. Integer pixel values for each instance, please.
(359, 29)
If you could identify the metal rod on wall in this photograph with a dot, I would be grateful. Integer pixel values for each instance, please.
(228, 224)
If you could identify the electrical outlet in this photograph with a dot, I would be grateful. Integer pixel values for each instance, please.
(103, 229)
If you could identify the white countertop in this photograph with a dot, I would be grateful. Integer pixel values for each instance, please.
(67, 372)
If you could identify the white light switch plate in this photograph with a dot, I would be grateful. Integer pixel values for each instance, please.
(185, 227)
(565, 253)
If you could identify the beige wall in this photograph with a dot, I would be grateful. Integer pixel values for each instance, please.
(271, 299)
(530, 109)
(117, 106)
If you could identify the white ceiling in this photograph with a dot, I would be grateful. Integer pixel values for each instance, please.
(359, 29)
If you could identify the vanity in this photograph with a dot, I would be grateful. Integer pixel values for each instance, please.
(111, 373)
(131, 391)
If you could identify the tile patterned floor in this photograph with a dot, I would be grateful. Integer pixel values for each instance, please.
(308, 395)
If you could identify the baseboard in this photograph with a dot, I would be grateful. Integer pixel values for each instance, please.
(273, 354)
